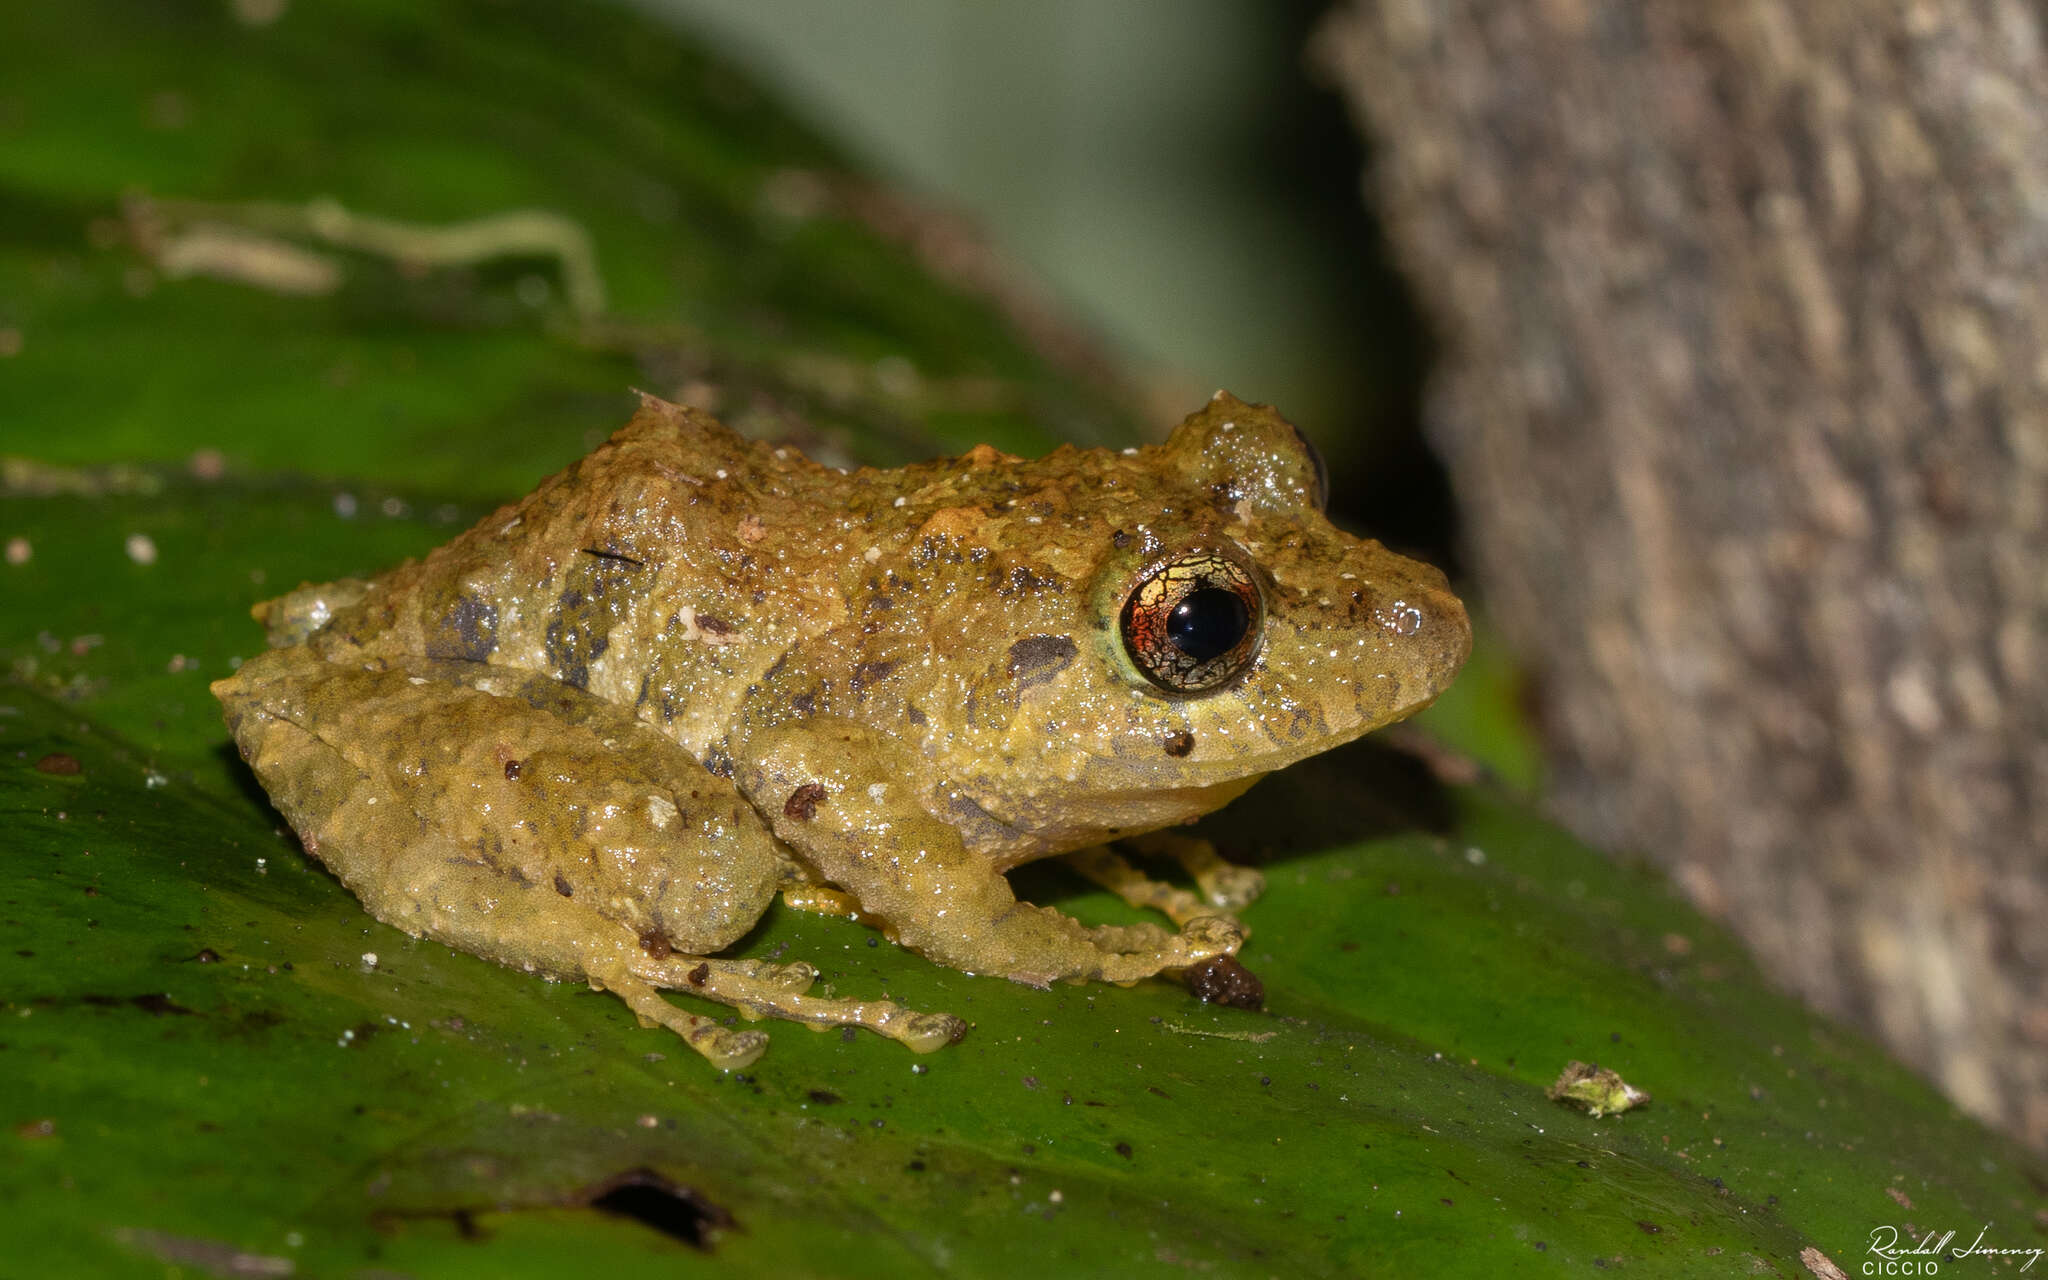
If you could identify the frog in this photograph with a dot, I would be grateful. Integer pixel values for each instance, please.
(602, 733)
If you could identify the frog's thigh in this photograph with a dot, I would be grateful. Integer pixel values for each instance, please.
(1223, 884)
(378, 821)
(837, 793)
(538, 780)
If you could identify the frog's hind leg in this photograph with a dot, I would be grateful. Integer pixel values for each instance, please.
(477, 909)
(762, 990)
(524, 821)
(431, 887)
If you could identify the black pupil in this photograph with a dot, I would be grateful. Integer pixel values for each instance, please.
(1208, 623)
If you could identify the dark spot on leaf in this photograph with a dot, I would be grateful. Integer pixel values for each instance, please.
(1179, 744)
(155, 1004)
(1124, 1149)
(915, 1166)
(1036, 659)
(562, 886)
(825, 1097)
(803, 802)
(1649, 1228)
(653, 1201)
(1226, 982)
(206, 955)
(59, 763)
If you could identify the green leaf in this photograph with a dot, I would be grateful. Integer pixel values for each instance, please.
(734, 250)
(207, 1072)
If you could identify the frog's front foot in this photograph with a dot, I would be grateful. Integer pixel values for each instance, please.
(1223, 885)
(1037, 945)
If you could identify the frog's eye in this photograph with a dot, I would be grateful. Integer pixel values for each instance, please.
(1192, 624)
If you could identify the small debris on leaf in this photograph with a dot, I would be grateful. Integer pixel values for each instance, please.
(1821, 1265)
(1596, 1090)
(1226, 982)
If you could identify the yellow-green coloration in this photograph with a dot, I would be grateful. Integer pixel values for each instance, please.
(595, 734)
(1596, 1090)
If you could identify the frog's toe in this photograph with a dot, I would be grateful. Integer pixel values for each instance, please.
(726, 1049)
(1211, 936)
(1232, 887)
(795, 977)
(924, 1032)
(1130, 939)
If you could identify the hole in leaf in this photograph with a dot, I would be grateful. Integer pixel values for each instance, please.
(653, 1201)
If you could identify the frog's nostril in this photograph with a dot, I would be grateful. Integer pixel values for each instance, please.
(1401, 616)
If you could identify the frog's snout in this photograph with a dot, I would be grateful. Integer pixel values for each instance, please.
(1413, 635)
(1435, 635)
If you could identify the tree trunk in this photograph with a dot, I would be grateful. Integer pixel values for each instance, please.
(1744, 391)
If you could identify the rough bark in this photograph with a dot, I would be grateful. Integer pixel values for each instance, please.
(1744, 392)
